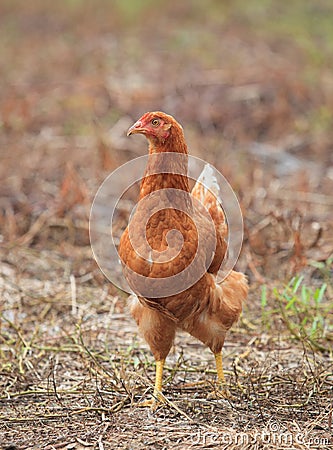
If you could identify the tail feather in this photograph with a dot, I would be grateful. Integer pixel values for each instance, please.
(207, 191)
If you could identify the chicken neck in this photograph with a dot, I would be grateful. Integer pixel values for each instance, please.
(167, 166)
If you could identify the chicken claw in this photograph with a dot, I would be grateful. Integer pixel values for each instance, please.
(222, 390)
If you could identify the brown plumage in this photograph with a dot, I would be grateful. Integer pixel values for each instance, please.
(204, 309)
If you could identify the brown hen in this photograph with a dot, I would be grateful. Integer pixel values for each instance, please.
(173, 273)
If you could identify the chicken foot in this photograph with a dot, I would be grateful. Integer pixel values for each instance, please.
(219, 368)
(220, 375)
(157, 397)
(222, 390)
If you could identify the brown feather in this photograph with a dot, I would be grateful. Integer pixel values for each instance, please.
(206, 310)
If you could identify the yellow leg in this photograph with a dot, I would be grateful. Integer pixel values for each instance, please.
(219, 368)
(159, 378)
(222, 390)
(158, 386)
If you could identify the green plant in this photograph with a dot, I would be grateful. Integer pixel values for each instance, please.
(324, 268)
(306, 312)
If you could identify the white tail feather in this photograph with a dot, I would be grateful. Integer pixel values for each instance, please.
(208, 180)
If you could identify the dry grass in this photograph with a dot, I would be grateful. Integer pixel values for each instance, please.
(72, 374)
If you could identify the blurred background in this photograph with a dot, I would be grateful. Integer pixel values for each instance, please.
(251, 83)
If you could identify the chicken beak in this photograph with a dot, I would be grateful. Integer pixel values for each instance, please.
(136, 128)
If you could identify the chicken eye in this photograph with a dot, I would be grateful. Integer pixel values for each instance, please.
(155, 122)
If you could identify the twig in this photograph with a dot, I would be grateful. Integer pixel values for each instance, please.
(60, 445)
(35, 228)
(253, 268)
(73, 295)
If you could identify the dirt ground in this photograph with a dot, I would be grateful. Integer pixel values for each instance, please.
(252, 86)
